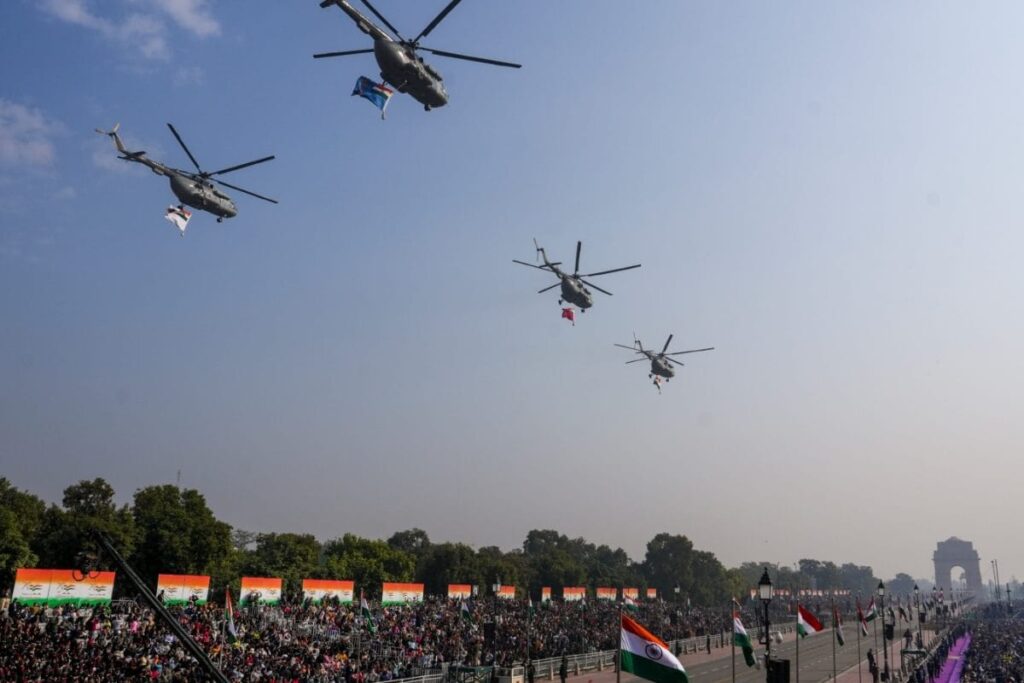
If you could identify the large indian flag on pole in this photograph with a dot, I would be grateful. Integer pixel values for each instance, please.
(318, 589)
(872, 612)
(741, 640)
(179, 588)
(401, 593)
(269, 590)
(646, 655)
(807, 623)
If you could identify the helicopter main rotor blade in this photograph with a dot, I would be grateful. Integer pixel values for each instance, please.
(674, 361)
(437, 20)
(470, 58)
(613, 270)
(637, 360)
(321, 55)
(184, 147)
(665, 347)
(385, 21)
(551, 287)
(524, 263)
(677, 353)
(628, 348)
(241, 189)
(229, 169)
(576, 270)
(591, 284)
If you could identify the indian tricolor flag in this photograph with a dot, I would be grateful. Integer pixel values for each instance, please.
(630, 604)
(644, 654)
(807, 623)
(863, 622)
(872, 611)
(741, 640)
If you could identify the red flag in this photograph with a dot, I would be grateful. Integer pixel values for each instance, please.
(569, 314)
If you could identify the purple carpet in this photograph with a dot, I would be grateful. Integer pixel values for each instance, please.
(954, 664)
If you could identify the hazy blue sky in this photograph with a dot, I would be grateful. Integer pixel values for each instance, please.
(829, 193)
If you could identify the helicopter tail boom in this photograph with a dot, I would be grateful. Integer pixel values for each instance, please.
(118, 143)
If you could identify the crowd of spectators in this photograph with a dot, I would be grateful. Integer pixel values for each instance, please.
(996, 653)
(315, 642)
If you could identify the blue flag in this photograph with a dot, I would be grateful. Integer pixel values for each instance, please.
(378, 93)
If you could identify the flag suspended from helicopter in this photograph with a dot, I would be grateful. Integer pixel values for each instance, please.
(179, 216)
(570, 315)
(378, 93)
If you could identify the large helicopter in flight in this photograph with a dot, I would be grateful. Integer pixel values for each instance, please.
(661, 362)
(194, 189)
(574, 287)
(400, 65)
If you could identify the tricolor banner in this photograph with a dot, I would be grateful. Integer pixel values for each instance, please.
(318, 589)
(606, 593)
(652, 593)
(573, 593)
(401, 593)
(268, 590)
(545, 594)
(631, 593)
(178, 589)
(458, 591)
(59, 587)
(507, 592)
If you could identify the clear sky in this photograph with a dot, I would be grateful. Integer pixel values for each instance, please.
(829, 193)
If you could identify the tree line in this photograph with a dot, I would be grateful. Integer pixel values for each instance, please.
(171, 530)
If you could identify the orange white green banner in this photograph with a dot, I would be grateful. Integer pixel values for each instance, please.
(573, 593)
(632, 593)
(59, 586)
(545, 594)
(401, 593)
(507, 592)
(178, 589)
(606, 593)
(318, 589)
(266, 590)
(460, 590)
(652, 593)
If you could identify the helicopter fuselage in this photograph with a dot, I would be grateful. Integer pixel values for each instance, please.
(201, 195)
(662, 368)
(576, 293)
(401, 67)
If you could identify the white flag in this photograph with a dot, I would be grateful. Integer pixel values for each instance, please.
(180, 216)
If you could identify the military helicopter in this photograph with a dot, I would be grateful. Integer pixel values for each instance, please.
(661, 364)
(574, 287)
(195, 189)
(400, 65)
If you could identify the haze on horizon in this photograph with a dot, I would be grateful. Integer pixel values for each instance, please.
(829, 195)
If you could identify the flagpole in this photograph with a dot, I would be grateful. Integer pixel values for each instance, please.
(732, 611)
(858, 644)
(798, 642)
(835, 634)
(618, 652)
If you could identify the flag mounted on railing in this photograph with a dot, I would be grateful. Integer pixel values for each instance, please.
(378, 93)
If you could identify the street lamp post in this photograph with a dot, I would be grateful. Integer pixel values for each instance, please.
(917, 597)
(764, 590)
(885, 647)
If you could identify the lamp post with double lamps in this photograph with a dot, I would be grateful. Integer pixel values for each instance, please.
(885, 647)
(765, 592)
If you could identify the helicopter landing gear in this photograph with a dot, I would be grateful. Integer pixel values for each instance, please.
(220, 219)
(426, 107)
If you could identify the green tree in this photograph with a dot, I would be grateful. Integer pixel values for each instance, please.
(291, 556)
(669, 563)
(368, 562)
(412, 541)
(177, 533)
(21, 518)
(87, 506)
(447, 563)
